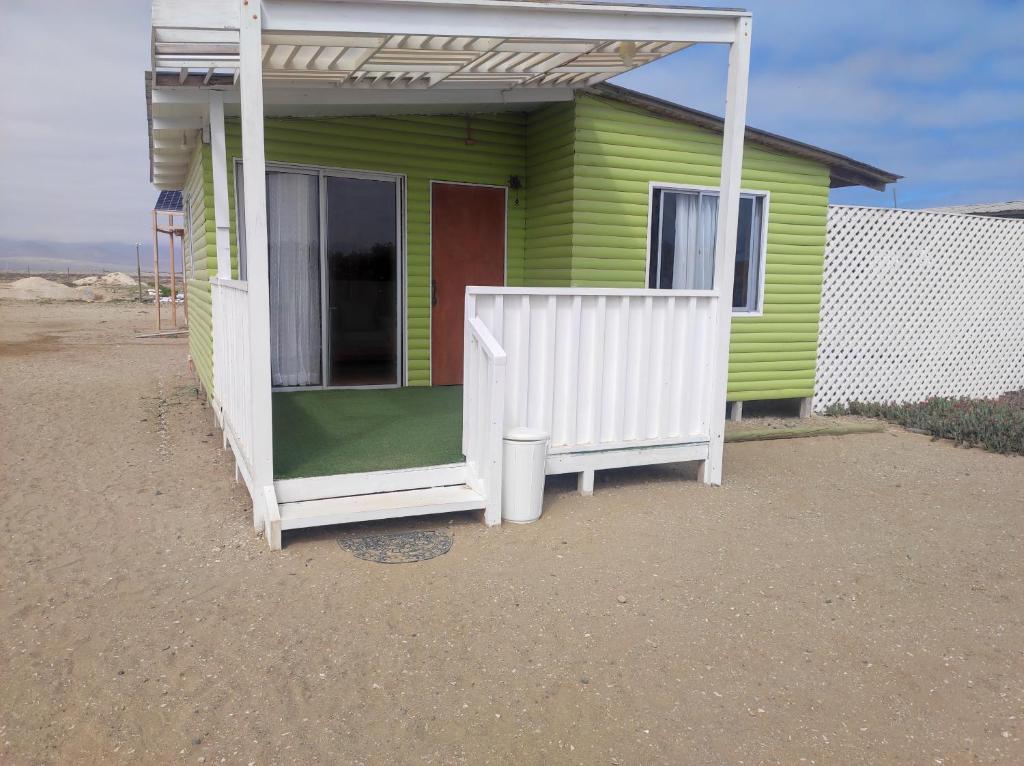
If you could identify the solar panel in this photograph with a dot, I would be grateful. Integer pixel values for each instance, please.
(169, 201)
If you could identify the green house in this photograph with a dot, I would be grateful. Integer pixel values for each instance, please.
(584, 182)
(421, 231)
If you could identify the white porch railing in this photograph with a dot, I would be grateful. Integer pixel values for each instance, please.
(483, 414)
(232, 369)
(599, 370)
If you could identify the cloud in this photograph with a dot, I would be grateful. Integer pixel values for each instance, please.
(932, 90)
(73, 143)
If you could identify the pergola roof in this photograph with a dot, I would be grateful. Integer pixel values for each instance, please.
(388, 51)
(354, 44)
(414, 61)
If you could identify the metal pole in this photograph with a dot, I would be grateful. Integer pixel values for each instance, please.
(174, 285)
(156, 271)
(138, 268)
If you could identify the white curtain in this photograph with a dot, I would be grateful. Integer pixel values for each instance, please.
(686, 238)
(704, 268)
(693, 266)
(294, 252)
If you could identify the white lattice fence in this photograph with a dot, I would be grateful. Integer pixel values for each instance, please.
(917, 304)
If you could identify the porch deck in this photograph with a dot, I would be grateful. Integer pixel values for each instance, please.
(323, 433)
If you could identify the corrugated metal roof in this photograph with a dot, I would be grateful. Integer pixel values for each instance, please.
(1011, 209)
(169, 201)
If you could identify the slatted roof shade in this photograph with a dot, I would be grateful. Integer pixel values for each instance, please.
(169, 201)
(204, 45)
(423, 61)
(330, 57)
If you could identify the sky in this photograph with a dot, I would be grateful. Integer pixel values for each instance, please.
(932, 90)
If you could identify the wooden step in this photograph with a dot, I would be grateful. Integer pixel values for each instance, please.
(368, 483)
(382, 505)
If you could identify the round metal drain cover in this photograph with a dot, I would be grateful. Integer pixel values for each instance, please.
(398, 547)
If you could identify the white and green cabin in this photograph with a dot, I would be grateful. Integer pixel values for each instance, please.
(414, 225)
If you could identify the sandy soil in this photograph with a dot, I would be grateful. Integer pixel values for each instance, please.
(843, 600)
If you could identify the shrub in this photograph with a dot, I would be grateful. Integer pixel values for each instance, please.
(995, 424)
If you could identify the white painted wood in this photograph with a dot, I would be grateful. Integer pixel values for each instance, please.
(736, 412)
(484, 415)
(177, 124)
(585, 483)
(344, 485)
(575, 462)
(665, 441)
(218, 157)
(344, 57)
(312, 98)
(254, 180)
(611, 406)
(543, 21)
(272, 515)
(919, 303)
(202, 14)
(583, 292)
(806, 408)
(595, 367)
(725, 241)
(232, 370)
(344, 510)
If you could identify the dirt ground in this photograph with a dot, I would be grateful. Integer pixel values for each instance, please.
(842, 600)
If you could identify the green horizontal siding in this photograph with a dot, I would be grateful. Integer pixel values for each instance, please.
(586, 167)
(549, 140)
(484, 149)
(201, 233)
(619, 150)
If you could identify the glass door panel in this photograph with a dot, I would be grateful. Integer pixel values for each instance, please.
(363, 281)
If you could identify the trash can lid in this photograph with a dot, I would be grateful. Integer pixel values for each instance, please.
(525, 434)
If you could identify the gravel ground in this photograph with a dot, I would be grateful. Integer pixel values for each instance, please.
(842, 600)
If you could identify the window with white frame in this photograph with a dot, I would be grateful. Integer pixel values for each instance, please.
(682, 246)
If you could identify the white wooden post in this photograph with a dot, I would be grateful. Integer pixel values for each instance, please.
(218, 155)
(585, 483)
(725, 239)
(257, 271)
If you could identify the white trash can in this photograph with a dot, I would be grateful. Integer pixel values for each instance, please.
(522, 493)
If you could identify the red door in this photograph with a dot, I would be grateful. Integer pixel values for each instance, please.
(467, 241)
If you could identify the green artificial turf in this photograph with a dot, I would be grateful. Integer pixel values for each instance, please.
(320, 433)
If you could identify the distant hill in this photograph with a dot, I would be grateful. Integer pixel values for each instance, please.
(20, 255)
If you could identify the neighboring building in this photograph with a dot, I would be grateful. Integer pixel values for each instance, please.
(1011, 209)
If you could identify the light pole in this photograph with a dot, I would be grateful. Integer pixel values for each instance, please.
(138, 268)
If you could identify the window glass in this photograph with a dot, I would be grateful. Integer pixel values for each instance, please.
(682, 247)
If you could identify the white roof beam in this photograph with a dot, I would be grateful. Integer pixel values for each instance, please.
(545, 21)
(177, 123)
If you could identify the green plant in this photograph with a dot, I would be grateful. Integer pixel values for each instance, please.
(995, 424)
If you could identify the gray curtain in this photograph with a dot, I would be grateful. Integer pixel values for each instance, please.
(293, 210)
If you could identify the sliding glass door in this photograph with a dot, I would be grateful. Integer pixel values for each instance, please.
(334, 249)
(363, 280)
